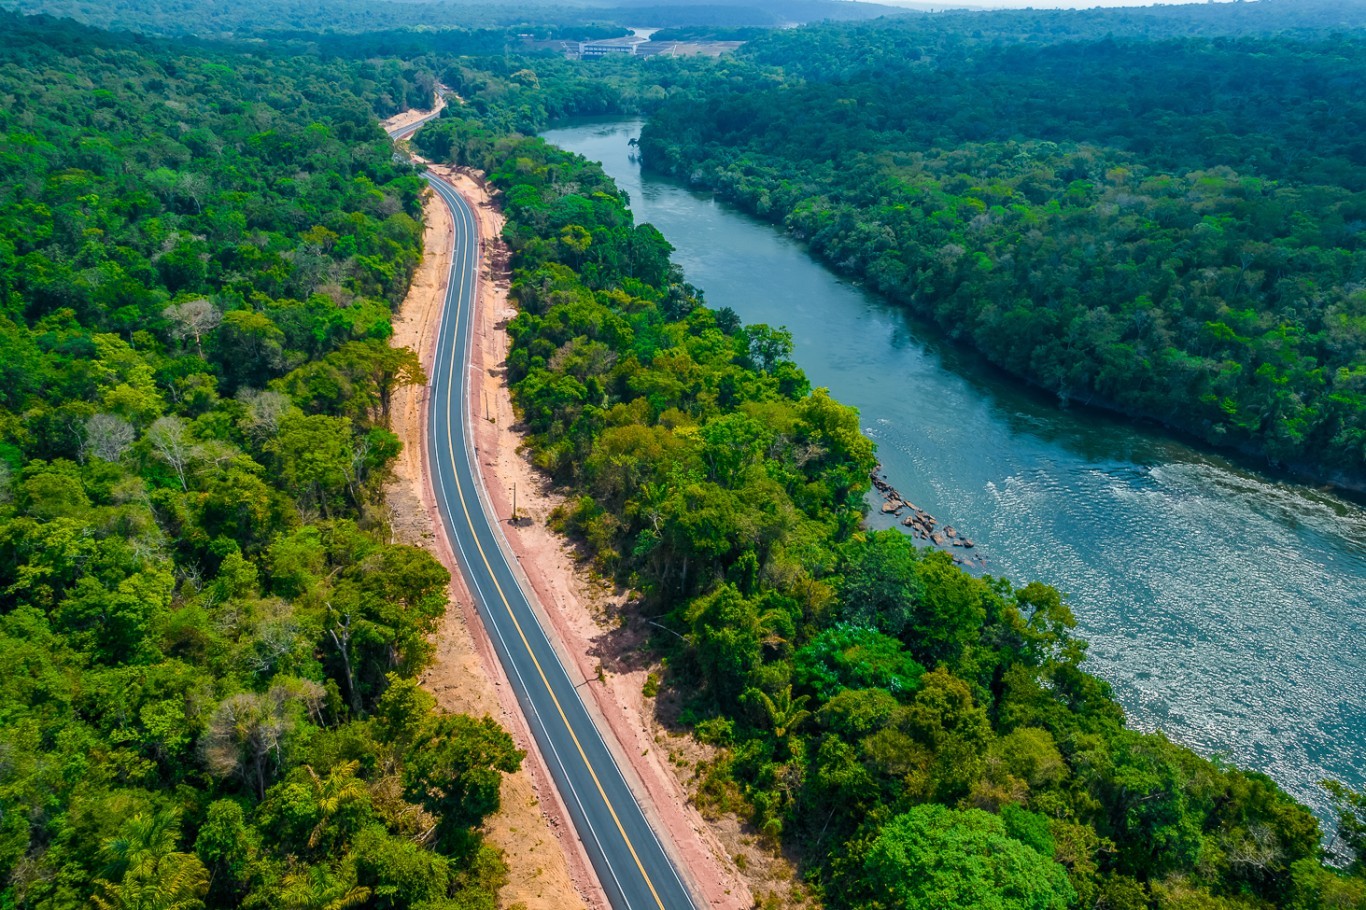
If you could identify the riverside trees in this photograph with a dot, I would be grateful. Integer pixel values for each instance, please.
(920, 736)
(1167, 228)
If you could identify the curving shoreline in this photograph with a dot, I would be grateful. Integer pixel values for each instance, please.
(1181, 567)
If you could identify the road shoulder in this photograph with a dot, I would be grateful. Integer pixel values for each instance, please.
(577, 609)
(409, 117)
(546, 868)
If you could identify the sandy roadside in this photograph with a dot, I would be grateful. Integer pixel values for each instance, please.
(407, 118)
(726, 865)
(594, 630)
(546, 867)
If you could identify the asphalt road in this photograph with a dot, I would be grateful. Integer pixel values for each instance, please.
(631, 864)
(406, 132)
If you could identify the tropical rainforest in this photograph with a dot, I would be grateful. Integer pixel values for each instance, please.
(327, 19)
(921, 737)
(1171, 230)
(209, 647)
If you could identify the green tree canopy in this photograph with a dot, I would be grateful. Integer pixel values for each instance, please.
(934, 857)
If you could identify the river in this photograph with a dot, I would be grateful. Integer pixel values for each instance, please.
(1226, 607)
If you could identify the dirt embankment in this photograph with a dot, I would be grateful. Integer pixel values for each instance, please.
(408, 118)
(546, 869)
(602, 643)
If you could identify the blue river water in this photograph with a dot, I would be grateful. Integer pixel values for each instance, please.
(1226, 607)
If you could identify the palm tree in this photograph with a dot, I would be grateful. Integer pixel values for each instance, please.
(774, 628)
(336, 793)
(143, 870)
(318, 888)
(784, 712)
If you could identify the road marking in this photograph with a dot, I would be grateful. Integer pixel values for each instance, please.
(469, 520)
(515, 670)
(460, 492)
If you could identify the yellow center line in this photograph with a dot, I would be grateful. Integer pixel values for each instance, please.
(460, 492)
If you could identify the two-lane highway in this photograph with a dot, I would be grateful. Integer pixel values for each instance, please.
(631, 863)
(406, 131)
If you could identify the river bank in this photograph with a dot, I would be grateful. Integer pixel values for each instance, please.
(924, 526)
(1225, 605)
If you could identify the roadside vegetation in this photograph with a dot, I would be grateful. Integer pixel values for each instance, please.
(208, 647)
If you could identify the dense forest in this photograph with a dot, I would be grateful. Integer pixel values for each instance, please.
(208, 646)
(1169, 229)
(920, 737)
(527, 94)
(859, 46)
(324, 20)
(717, 19)
(240, 18)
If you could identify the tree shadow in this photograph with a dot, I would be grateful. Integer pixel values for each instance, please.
(624, 647)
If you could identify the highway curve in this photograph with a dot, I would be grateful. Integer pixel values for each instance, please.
(406, 132)
(631, 864)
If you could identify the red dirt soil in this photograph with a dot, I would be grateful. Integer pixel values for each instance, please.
(590, 628)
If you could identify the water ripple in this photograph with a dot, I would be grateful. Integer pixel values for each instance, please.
(1225, 607)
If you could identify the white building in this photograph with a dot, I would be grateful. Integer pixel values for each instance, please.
(608, 48)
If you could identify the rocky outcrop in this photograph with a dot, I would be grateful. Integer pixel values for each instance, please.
(923, 526)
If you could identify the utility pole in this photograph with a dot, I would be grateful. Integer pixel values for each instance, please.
(514, 503)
